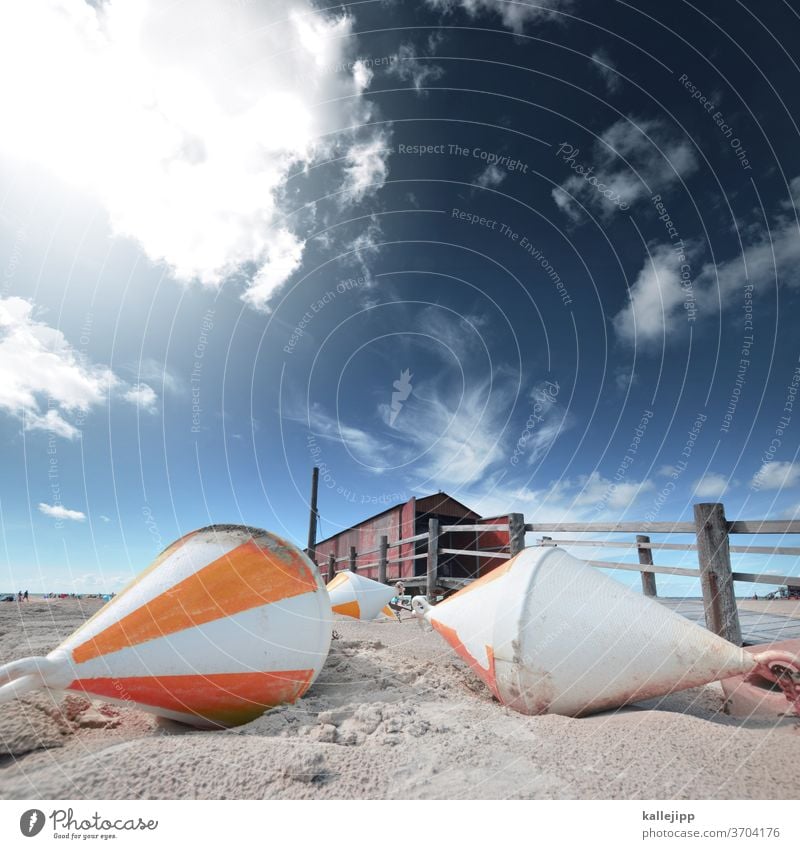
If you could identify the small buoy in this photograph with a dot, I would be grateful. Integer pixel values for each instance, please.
(358, 597)
(227, 622)
(548, 633)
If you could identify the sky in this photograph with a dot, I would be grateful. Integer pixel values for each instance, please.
(542, 256)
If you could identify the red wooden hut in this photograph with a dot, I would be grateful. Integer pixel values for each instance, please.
(403, 521)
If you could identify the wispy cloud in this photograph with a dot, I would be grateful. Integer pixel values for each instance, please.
(602, 64)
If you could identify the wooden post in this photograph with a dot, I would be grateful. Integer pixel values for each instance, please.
(312, 519)
(383, 557)
(716, 578)
(433, 558)
(516, 533)
(646, 559)
(352, 558)
(331, 566)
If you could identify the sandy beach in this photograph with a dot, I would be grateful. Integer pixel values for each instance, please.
(394, 714)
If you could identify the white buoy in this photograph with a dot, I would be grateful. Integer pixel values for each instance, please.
(226, 623)
(358, 597)
(550, 634)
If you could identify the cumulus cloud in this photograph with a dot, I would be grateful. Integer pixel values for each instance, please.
(711, 485)
(776, 475)
(771, 258)
(188, 122)
(365, 169)
(56, 511)
(655, 300)
(142, 396)
(408, 67)
(491, 176)
(632, 160)
(43, 380)
(657, 303)
(515, 15)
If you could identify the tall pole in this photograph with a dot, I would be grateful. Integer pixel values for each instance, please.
(312, 521)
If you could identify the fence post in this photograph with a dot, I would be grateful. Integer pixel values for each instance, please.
(646, 559)
(331, 566)
(716, 578)
(433, 557)
(516, 533)
(352, 558)
(383, 557)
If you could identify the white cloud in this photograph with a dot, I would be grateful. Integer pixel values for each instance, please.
(770, 259)
(408, 67)
(491, 176)
(655, 301)
(596, 491)
(187, 121)
(281, 259)
(632, 160)
(585, 498)
(142, 396)
(776, 475)
(365, 169)
(711, 485)
(601, 62)
(43, 380)
(56, 511)
(515, 15)
(656, 308)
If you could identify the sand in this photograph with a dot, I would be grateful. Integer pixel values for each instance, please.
(394, 714)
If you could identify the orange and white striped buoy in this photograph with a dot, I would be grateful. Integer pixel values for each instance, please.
(550, 634)
(226, 623)
(358, 597)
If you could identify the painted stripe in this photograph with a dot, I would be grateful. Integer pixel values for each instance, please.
(486, 674)
(341, 578)
(292, 633)
(349, 608)
(177, 562)
(247, 577)
(229, 699)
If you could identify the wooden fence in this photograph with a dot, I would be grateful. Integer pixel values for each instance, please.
(711, 529)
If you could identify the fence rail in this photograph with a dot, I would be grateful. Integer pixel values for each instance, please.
(710, 528)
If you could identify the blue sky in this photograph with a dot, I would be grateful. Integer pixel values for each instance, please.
(564, 238)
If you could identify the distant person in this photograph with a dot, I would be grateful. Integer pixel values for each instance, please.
(19, 596)
(26, 595)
